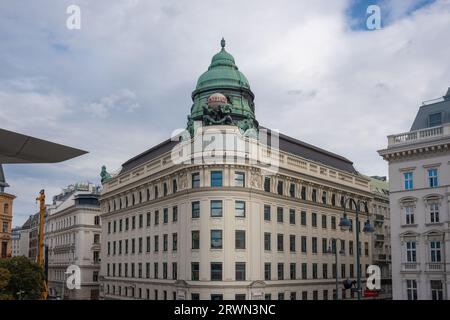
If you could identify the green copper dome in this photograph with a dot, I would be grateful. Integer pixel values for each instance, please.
(223, 77)
(222, 72)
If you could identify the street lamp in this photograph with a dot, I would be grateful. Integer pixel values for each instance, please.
(330, 251)
(345, 225)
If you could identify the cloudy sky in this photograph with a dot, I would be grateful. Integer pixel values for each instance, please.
(122, 83)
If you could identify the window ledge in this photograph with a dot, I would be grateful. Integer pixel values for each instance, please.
(434, 224)
(414, 225)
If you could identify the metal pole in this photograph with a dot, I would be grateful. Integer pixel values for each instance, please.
(358, 268)
(337, 275)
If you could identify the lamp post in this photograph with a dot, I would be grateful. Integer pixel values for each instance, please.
(330, 250)
(345, 225)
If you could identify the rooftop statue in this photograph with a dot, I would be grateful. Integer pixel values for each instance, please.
(105, 176)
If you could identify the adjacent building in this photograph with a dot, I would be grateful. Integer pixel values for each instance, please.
(419, 183)
(218, 225)
(6, 216)
(72, 237)
(381, 221)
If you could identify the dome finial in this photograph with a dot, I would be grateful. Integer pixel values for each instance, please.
(222, 43)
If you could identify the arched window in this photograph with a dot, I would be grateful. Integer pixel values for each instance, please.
(5, 208)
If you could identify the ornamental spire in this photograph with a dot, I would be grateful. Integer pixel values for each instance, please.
(222, 43)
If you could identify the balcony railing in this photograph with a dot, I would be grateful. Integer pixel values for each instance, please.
(434, 266)
(419, 135)
(379, 218)
(379, 237)
(410, 266)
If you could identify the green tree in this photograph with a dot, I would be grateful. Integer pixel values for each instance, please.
(5, 276)
(26, 278)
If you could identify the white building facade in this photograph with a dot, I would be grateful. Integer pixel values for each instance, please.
(219, 229)
(72, 237)
(419, 177)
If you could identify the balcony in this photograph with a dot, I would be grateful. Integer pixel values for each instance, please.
(379, 218)
(435, 267)
(410, 266)
(419, 135)
(379, 238)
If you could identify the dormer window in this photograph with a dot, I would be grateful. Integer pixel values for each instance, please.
(435, 119)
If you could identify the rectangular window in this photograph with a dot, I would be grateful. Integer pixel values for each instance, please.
(279, 214)
(292, 271)
(409, 215)
(408, 178)
(267, 271)
(216, 271)
(432, 178)
(280, 271)
(216, 239)
(280, 188)
(267, 184)
(303, 218)
(174, 186)
(147, 270)
(239, 207)
(139, 270)
(174, 214)
(292, 243)
(148, 219)
(314, 245)
(240, 271)
(239, 179)
(434, 212)
(304, 271)
(195, 209)
(165, 242)
(155, 270)
(133, 222)
(324, 221)
(325, 270)
(174, 241)
(156, 217)
(350, 247)
(280, 240)
(165, 215)
(366, 249)
(267, 241)
(216, 178)
(291, 216)
(133, 245)
(216, 208)
(240, 239)
(127, 224)
(333, 223)
(195, 271)
(196, 239)
(141, 221)
(164, 270)
(436, 290)
(292, 190)
(140, 245)
(435, 119)
(156, 246)
(266, 212)
(196, 180)
(411, 289)
(435, 251)
(314, 270)
(411, 251)
(324, 245)
(148, 244)
(303, 244)
(314, 219)
(120, 225)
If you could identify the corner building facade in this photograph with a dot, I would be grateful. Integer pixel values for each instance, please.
(219, 230)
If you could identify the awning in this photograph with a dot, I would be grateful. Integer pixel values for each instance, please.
(20, 148)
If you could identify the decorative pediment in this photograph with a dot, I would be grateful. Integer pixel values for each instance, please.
(432, 198)
(407, 201)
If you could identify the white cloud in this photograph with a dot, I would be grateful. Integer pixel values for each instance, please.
(123, 100)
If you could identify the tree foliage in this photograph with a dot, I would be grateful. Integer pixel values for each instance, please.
(22, 279)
